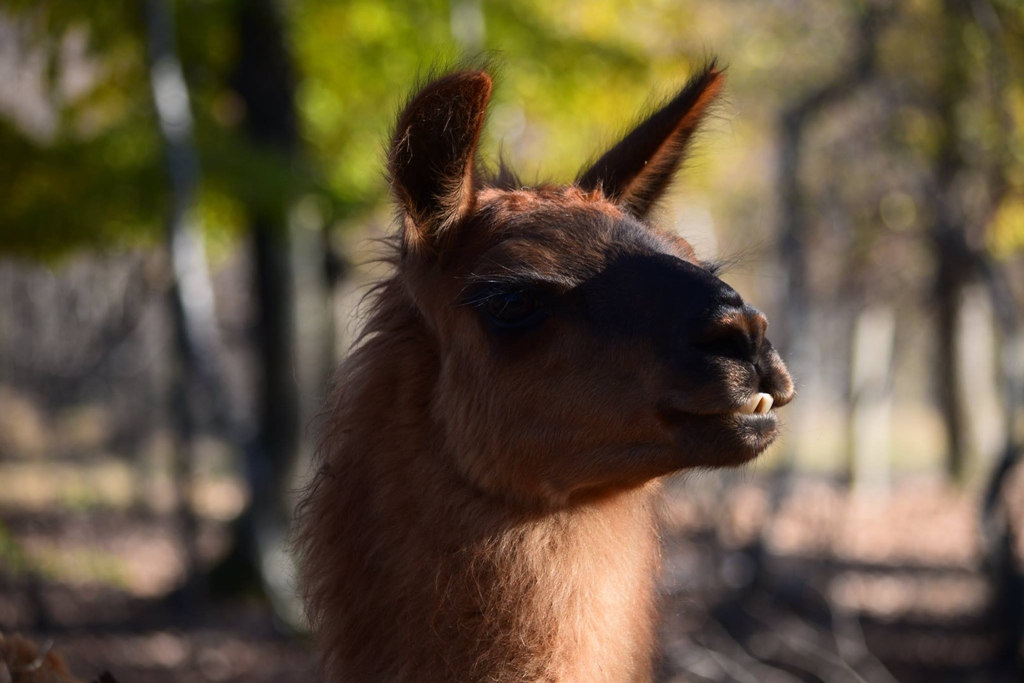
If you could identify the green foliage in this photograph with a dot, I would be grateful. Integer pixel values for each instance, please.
(572, 74)
(566, 71)
(79, 193)
(98, 180)
(91, 180)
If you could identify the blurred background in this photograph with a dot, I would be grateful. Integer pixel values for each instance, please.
(186, 192)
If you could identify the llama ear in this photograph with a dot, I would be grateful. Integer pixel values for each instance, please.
(432, 156)
(637, 171)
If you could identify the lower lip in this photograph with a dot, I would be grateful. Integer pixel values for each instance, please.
(727, 439)
(770, 415)
(757, 422)
(753, 432)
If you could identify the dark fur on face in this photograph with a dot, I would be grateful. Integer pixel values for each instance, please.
(484, 505)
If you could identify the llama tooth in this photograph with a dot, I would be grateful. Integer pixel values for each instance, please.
(764, 403)
(750, 407)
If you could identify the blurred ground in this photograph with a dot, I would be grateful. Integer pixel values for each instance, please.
(830, 586)
(93, 597)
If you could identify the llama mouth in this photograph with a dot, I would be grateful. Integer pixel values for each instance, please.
(727, 438)
(755, 425)
(757, 404)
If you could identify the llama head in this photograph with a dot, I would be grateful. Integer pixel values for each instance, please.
(580, 349)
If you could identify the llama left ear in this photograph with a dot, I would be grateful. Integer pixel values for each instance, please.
(432, 157)
(637, 171)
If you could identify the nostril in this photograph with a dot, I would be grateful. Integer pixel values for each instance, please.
(739, 334)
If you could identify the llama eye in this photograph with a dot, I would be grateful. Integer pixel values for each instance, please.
(510, 309)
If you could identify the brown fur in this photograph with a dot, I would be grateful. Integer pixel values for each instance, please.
(484, 507)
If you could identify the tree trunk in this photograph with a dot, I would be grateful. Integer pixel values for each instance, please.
(795, 233)
(949, 245)
(263, 79)
(190, 293)
(948, 286)
(999, 536)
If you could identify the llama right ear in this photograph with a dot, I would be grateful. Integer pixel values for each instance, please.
(636, 172)
(432, 157)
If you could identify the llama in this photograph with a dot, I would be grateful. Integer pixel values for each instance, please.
(485, 500)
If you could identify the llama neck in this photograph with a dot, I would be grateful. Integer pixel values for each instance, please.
(435, 580)
(578, 587)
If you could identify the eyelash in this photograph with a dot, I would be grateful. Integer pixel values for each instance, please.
(493, 293)
(479, 294)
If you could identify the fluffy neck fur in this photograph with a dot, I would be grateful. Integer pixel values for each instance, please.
(410, 573)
